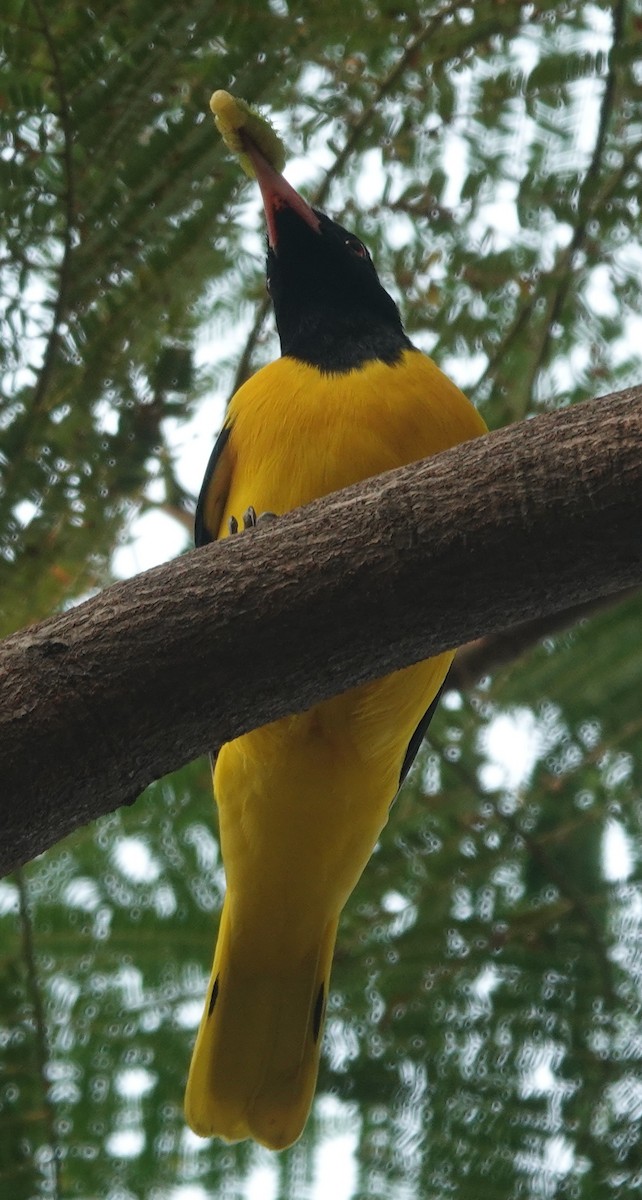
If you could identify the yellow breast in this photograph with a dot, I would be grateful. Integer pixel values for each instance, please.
(297, 434)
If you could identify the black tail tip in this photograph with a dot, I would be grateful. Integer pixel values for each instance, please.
(317, 1016)
(213, 997)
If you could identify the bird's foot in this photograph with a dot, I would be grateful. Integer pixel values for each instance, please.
(250, 520)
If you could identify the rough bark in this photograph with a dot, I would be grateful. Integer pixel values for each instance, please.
(97, 702)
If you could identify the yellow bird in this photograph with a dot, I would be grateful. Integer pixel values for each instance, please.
(302, 802)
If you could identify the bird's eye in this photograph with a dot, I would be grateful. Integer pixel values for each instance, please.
(357, 247)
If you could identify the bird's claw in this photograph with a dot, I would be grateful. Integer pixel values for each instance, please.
(250, 520)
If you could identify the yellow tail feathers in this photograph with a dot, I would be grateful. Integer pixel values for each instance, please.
(256, 1058)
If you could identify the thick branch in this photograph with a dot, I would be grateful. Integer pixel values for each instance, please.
(97, 702)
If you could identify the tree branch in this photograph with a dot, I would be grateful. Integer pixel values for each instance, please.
(489, 654)
(97, 702)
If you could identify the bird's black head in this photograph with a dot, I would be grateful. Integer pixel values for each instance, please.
(331, 310)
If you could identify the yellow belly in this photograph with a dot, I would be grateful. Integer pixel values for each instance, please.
(296, 435)
(302, 803)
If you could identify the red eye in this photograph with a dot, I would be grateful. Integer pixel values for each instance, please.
(357, 247)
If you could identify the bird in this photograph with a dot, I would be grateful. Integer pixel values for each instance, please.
(302, 802)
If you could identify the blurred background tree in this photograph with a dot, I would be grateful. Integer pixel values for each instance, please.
(484, 1029)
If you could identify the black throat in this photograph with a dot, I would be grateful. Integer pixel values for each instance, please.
(331, 309)
(345, 344)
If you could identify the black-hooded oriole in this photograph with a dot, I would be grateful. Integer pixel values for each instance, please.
(302, 802)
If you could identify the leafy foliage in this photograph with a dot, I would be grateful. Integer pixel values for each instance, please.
(483, 1037)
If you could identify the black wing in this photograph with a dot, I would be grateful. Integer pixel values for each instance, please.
(214, 491)
(419, 735)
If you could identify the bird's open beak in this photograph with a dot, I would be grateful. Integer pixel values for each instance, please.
(277, 193)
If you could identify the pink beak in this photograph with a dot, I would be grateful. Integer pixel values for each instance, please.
(277, 193)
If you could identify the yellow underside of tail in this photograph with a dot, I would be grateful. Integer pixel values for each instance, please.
(257, 1054)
